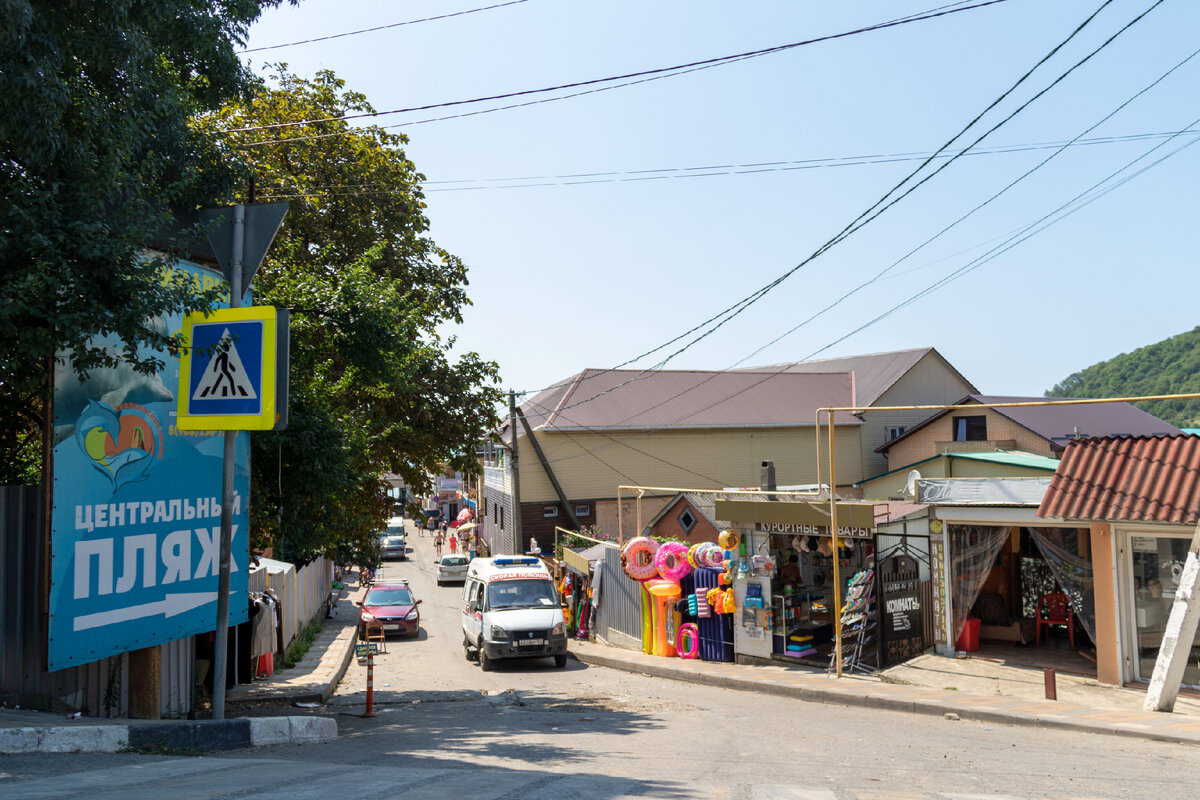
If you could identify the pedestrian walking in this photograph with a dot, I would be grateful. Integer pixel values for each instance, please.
(437, 543)
(453, 543)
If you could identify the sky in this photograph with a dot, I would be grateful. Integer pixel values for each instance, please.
(599, 227)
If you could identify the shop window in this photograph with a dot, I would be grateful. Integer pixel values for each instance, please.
(583, 511)
(687, 520)
(549, 511)
(970, 429)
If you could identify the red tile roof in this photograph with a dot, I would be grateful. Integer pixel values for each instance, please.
(1137, 479)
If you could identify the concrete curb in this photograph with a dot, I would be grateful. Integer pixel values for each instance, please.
(215, 734)
(854, 696)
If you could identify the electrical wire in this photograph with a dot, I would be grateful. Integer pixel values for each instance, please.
(385, 189)
(626, 76)
(883, 204)
(381, 27)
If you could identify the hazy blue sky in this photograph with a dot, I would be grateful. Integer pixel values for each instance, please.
(570, 272)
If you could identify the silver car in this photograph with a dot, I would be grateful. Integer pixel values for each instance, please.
(452, 568)
(392, 545)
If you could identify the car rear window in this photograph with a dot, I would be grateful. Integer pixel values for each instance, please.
(454, 561)
(388, 597)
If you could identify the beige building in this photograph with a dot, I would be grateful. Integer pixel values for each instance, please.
(600, 429)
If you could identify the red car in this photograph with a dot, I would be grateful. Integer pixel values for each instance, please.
(393, 605)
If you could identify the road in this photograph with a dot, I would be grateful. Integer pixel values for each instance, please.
(446, 729)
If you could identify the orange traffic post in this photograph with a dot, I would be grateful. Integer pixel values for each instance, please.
(370, 712)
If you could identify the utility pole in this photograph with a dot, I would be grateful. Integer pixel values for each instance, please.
(1178, 636)
(518, 541)
(221, 634)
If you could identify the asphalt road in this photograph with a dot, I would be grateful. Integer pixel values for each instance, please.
(446, 729)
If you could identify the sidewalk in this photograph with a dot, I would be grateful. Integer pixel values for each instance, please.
(315, 677)
(871, 692)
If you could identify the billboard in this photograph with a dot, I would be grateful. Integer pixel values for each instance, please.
(136, 523)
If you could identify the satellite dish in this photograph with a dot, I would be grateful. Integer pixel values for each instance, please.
(910, 486)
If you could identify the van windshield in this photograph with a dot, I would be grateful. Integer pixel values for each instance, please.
(535, 593)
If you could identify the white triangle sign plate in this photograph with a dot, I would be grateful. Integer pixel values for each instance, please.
(225, 377)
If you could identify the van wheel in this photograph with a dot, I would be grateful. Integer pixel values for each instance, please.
(467, 648)
(560, 661)
(485, 663)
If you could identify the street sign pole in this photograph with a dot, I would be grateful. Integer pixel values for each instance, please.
(221, 635)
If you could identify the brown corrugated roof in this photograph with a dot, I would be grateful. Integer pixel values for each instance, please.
(609, 400)
(1136, 479)
(874, 373)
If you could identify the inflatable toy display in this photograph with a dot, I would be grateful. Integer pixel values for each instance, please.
(671, 561)
(663, 596)
(688, 641)
(638, 558)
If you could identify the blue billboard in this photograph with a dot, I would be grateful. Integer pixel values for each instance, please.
(136, 523)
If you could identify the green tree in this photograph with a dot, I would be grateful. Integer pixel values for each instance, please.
(95, 146)
(372, 388)
(1171, 366)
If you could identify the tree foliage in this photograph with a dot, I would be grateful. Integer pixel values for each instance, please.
(1171, 366)
(95, 146)
(372, 389)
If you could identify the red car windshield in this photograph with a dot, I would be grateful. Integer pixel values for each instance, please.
(388, 597)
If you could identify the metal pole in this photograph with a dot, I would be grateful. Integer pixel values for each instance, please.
(833, 532)
(221, 634)
(518, 541)
(370, 712)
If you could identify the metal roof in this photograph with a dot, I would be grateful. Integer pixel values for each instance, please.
(1012, 458)
(874, 373)
(1141, 479)
(673, 399)
(1062, 423)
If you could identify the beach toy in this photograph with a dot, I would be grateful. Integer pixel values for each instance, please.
(687, 644)
(703, 609)
(671, 561)
(637, 558)
(728, 540)
(663, 595)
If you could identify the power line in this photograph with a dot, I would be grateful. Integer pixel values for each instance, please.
(626, 76)
(381, 27)
(664, 173)
(875, 210)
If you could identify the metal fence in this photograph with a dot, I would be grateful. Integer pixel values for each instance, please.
(620, 608)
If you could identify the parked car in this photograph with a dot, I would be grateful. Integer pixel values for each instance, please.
(394, 606)
(452, 568)
(391, 541)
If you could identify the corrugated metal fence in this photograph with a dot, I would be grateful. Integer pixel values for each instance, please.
(100, 688)
(620, 600)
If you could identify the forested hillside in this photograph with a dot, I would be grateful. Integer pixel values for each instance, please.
(1171, 366)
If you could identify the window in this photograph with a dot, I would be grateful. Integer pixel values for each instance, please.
(549, 511)
(970, 429)
(583, 511)
(501, 517)
(895, 432)
(687, 520)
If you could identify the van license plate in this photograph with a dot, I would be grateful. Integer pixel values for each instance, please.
(531, 642)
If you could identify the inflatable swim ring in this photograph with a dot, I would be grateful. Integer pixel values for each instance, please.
(693, 554)
(671, 561)
(687, 640)
(637, 558)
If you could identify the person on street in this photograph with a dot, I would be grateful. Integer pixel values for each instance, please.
(437, 543)
(453, 543)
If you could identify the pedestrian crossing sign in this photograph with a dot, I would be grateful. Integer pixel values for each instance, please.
(228, 373)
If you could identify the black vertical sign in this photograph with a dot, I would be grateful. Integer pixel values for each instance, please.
(900, 609)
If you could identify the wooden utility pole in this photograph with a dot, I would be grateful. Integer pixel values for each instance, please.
(1179, 635)
(537, 448)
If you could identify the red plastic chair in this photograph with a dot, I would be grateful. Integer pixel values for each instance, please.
(1055, 609)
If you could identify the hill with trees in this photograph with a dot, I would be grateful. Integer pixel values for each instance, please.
(1171, 366)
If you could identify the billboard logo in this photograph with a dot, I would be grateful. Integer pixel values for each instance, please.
(119, 445)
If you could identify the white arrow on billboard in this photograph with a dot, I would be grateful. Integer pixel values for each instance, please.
(225, 376)
(169, 606)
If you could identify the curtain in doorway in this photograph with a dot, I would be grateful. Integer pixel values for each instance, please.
(973, 551)
(1073, 570)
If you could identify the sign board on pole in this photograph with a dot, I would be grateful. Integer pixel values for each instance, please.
(137, 511)
(362, 649)
(228, 377)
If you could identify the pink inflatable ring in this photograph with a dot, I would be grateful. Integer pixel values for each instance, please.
(672, 562)
(638, 558)
(687, 640)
